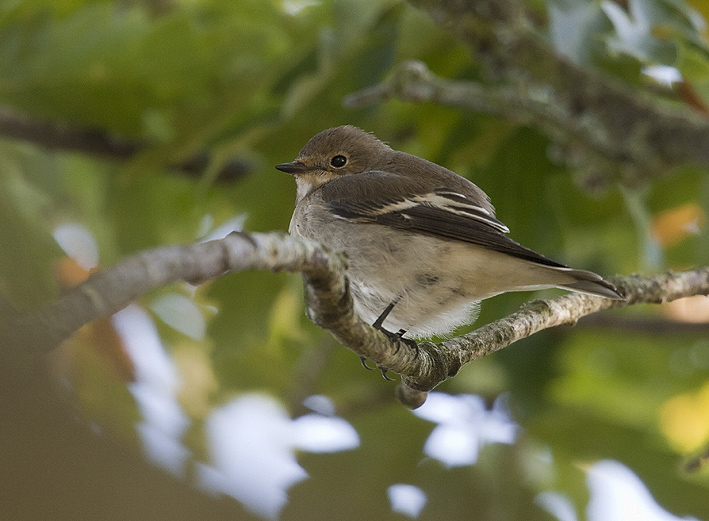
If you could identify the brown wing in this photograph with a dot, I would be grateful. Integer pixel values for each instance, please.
(393, 200)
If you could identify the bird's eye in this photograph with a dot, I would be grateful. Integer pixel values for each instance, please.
(338, 161)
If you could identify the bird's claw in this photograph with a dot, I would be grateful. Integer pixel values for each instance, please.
(383, 370)
(384, 374)
(363, 361)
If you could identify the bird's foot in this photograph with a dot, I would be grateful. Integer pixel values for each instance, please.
(363, 361)
(396, 337)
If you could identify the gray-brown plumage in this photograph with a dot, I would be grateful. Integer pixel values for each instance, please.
(416, 234)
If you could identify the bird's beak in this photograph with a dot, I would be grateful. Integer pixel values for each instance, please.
(294, 167)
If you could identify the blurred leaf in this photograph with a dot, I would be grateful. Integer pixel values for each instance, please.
(514, 180)
(701, 10)
(647, 29)
(635, 31)
(166, 202)
(601, 373)
(180, 313)
(693, 63)
(586, 437)
(671, 226)
(684, 420)
(27, 248)
(574, 28)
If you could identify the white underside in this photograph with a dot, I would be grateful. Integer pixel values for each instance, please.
(436, 284)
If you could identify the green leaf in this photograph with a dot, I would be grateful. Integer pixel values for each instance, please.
(27, 248)
(574, 29)
(693, 63)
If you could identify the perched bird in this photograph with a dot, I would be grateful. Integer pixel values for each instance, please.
(423, 244)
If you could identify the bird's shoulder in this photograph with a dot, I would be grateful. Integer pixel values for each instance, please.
(404, 175)
(407, 183)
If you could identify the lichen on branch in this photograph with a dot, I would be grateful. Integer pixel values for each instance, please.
(329, 304)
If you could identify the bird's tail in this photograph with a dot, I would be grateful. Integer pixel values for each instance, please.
(591, 284)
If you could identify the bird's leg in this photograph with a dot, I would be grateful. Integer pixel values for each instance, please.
(378, 322)
(394, 336)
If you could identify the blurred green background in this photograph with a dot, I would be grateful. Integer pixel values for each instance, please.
(249, 82)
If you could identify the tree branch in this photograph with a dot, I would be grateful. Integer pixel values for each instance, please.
(610, 131)
(329, 304)
(110, 290)
(57, 136)
(568, 309)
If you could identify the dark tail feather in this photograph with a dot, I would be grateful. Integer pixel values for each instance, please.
(593, 285)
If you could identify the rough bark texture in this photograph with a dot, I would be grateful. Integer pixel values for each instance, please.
(329, 304)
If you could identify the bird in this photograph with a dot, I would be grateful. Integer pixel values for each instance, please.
(423, 244)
